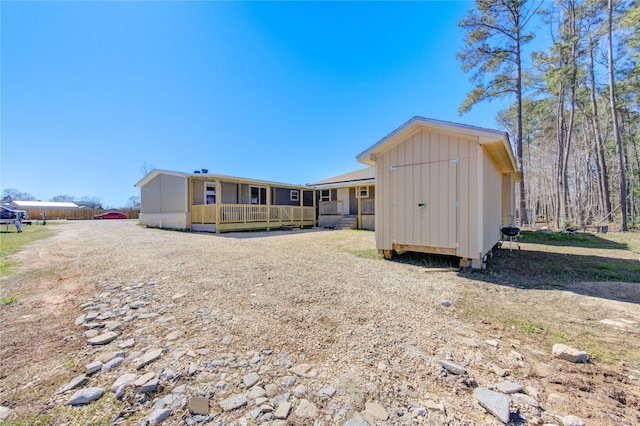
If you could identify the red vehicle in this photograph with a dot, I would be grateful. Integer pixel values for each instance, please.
(110, 215)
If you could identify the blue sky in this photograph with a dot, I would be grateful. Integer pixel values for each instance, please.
(95, 92)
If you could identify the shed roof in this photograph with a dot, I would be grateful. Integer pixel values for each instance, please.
(495, 142)
(43, 205)
(366, 176)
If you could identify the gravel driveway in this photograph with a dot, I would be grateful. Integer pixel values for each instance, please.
(286, 327)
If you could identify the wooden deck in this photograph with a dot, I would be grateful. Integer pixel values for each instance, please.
(243, 217)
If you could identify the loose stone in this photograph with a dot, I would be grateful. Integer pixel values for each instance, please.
(112, 364)
(376, 410)
(282, 412)
(233, 402)
(158, 416)
(148, 358)
(327, 390)
(85, 396)
(80, 380)
(5, 412)
(174, 335)
(300, 391)
(256, 392)
(125, 380)
(453, 368)
(137, 304)
(113, 325)
(572, 420)
(306, 409)
(150, 386)
(250, 379)
(520, 398)
(568, 353)
(303, 370)
(494, 402)
(129, 343)
(144, 379)
(509, 387)
(103, 339)
(80, 319)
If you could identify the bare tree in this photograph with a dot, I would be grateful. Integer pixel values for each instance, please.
(494, 37)
(614, 119)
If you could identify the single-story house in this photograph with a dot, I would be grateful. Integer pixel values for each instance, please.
(443, 188)
(347, 200)
(219, 203)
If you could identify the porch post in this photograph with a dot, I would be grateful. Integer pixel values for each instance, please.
(190, 187)
(268, 205)
(217, 205)
(359, 195)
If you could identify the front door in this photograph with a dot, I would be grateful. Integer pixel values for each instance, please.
(424, 205)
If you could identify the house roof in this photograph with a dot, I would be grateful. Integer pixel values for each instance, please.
(495, 142)
(366, 176)
(211, 177)
(43, 205)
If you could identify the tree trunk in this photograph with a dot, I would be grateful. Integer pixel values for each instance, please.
(524, 219)
(616, 129)
(601, 165)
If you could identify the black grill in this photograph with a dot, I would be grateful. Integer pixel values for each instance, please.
(510, 231)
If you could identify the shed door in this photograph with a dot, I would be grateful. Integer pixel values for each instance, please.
(425, 205)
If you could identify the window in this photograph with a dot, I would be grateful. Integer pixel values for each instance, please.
(294, 195)
(258, 194)
(364, 192)
(210, 193)
(325, 195)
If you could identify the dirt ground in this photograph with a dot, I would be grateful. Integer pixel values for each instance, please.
(376, 329)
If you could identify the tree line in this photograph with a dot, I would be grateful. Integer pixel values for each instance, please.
(575, 119)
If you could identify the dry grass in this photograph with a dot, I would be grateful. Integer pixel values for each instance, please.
(328, 298)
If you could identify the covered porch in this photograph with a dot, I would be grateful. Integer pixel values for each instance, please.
(220, 204)
(347, 200)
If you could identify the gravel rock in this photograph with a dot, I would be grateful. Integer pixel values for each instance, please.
(306, 409)
(85, 396)
(569, 354)
(78, 381)
(496, 403)
(233, 402)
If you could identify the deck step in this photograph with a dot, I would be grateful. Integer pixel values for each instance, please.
(347, 222)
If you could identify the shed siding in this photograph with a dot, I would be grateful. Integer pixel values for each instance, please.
(492, 205)
(438, 169)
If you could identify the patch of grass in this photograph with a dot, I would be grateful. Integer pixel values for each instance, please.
(605, 266)
(368, 254)
(530, 327)
(9, 300)
(561, 337)
(12, 242)
(588, 333)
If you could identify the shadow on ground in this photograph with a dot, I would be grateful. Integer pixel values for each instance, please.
(595, 273)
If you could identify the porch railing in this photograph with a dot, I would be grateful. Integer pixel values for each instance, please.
(250, 213)
(368, 206)
(331, 207)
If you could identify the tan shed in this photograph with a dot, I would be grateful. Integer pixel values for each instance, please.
(442, 188)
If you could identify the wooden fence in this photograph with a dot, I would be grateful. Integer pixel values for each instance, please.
(78, 214)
